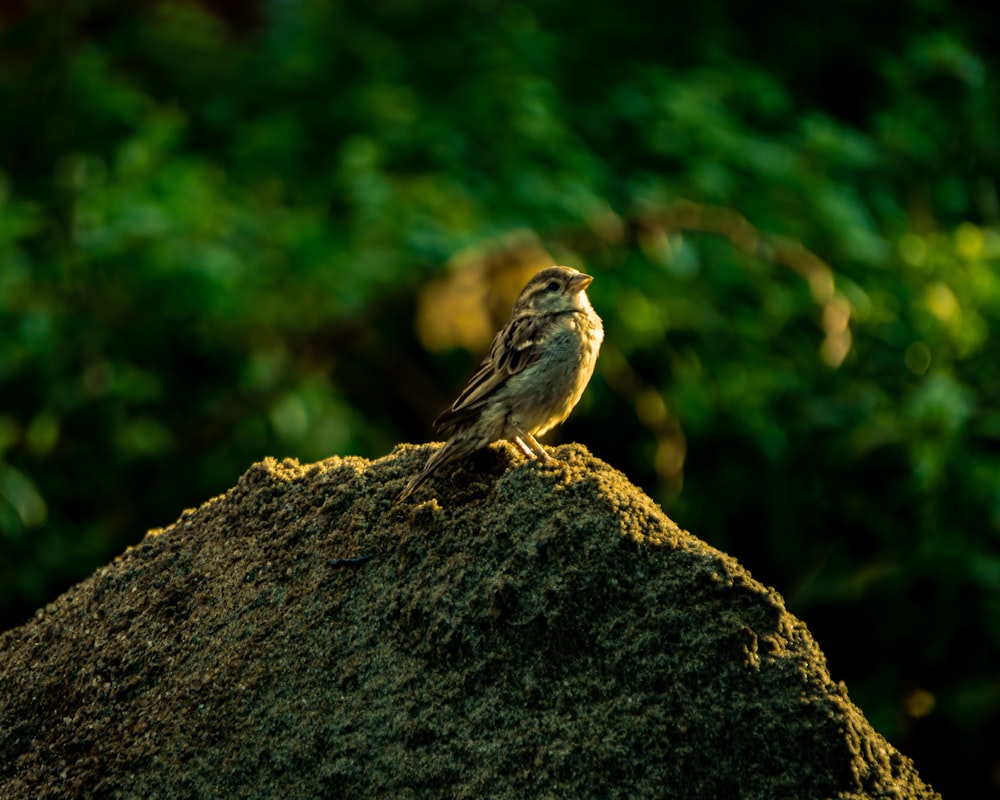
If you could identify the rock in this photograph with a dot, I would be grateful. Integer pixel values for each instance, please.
(518, 631)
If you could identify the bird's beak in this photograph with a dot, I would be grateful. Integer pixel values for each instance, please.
(579, 282)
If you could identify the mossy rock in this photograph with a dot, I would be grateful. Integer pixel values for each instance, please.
(513, 630)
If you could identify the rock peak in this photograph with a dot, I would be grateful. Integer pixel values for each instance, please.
(513, 630)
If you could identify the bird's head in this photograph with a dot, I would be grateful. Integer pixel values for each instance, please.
(555, 290)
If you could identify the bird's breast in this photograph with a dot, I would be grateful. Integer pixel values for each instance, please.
(545, 393)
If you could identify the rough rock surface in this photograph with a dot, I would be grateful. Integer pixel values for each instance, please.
(519, 631)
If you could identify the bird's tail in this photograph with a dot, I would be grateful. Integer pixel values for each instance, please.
(448, 452)
(415, 483)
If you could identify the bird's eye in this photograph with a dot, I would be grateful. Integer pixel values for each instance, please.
(552, 286)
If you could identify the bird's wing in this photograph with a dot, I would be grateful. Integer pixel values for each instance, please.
(514, 349)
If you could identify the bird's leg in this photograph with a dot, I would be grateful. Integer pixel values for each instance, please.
(524, 448)
(530, 445)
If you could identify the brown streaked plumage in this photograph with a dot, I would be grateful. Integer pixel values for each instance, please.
(535, 373)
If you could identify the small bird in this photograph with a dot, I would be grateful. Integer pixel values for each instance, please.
(537, 368)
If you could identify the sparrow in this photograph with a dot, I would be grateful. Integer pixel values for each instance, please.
(535, 373)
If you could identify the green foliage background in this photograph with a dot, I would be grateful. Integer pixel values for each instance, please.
(215, 220)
